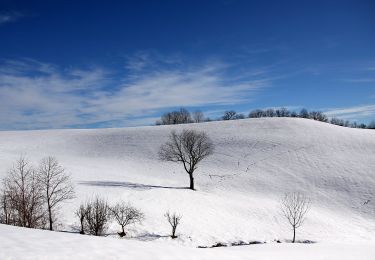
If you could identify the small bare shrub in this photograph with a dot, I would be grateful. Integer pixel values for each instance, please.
(126, 214)
(173, 220)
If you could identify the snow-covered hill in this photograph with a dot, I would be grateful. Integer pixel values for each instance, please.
(238, 189)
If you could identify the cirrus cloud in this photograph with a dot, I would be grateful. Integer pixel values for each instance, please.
(36, 95)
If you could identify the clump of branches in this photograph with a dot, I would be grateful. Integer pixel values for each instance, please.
(294, 207)
(174, 220)
(125, 214)
(94, 216)
(97, 216)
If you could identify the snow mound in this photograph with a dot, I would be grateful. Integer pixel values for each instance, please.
(238, 188)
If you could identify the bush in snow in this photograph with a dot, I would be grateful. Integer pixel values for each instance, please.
(97, 216)
(125, 214)
(173, 220)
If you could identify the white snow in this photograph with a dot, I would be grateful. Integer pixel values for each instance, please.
(238, 189)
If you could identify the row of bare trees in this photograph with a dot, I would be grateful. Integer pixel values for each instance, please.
(183, 116)
(95, 214)
(31, 196)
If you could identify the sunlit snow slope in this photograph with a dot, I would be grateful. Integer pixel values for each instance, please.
(238, 188)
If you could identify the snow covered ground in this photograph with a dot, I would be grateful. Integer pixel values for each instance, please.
(238, 189)
(21, 244)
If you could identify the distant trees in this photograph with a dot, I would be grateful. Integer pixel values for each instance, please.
(371, 125)
(188, 147)
(229, 115)
(174, 220)
(55, 185)
(294, 207)
(258, 113)
(125, 214)
(318, 116)
(198, 117)
(181, 116)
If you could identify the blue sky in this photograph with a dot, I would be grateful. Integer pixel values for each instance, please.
(75, 64)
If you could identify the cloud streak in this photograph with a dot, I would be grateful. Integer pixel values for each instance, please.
(353, 113)
(36, 95)
(9, 17)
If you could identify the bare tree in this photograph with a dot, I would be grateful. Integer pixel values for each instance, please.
(189, 148)
(7, 212)
(97, 216)
(198, 116)
(126, 214)
(173, 220)
(181, 116)
(294, 207)
(229, 115)
(56, 186)
(22, 196)
(81, 214)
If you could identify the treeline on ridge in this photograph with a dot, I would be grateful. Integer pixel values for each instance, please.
(183, 116)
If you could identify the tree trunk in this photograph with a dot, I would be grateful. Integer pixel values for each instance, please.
(191, 181)
(294, 235)
(50, 218)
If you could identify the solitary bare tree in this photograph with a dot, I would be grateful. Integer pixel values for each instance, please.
(56, 186)
(173, 220)
(189, 148)
(294, 207)
(126, 214)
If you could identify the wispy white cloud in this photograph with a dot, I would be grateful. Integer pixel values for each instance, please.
(361, 80)
(9, 17)
(39, 95)
(353, 113)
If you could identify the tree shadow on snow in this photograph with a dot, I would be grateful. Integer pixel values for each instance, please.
(125, 184)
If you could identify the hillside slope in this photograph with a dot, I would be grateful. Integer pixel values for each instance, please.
(239, 188)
